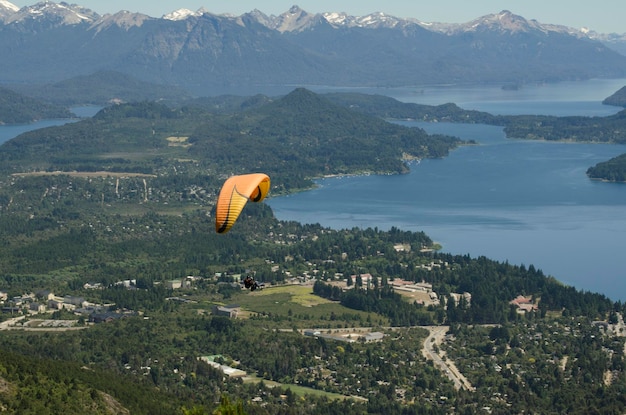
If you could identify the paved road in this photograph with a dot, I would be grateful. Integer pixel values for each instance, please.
(435, 337)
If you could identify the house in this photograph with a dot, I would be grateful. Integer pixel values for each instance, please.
(231, 372)
(230, 311)
(93, 286)
(55, 305)
(23, 299)
(37, 308)
(174, 285)
(76, 301)
(44, 294)
(105, 317)
(374, 336)
(524, 304)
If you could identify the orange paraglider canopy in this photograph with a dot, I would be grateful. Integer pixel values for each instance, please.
(235, 193)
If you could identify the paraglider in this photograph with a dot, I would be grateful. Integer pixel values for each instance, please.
(234, 195)
(251, 284)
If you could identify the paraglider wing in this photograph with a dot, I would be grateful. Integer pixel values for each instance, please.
(235, 193)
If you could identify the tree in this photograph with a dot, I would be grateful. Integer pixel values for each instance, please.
(226, 408)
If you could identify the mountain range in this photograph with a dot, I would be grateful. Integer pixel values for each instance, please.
(210, 54)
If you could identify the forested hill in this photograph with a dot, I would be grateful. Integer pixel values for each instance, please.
(609, 129)
(613, 170)
(618, 98)
(20, 109)
(387, 107)
(102, 88)
(295, 138)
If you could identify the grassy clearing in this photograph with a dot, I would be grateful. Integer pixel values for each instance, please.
(299, 294)
(297, 389)
(298, 306)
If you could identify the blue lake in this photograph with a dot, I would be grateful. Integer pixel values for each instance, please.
(510, 200)
(7, 132)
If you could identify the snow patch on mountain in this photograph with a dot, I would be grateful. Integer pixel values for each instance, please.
(56, 13)
(8, 5)
(182, 14)
(7, 9)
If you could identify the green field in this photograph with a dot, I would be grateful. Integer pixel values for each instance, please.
(299, 307)
(299, 390)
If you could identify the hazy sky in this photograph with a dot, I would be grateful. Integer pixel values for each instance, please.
(604, 16)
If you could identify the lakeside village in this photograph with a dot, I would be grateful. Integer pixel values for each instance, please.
(35, 310)
(29, 310)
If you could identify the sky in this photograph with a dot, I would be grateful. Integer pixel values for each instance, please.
(603, 16)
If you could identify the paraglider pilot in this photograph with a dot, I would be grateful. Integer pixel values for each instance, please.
(250, 283)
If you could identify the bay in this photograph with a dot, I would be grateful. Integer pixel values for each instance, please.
(10, 131)
(559, 99)
(7, 132)
(510, 200)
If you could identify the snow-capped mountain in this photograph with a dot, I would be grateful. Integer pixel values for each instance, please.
(296, 19)
(51, 41)
(7, 9)
(293, 20)
(122, 19)
(182, 14)
(52, 13)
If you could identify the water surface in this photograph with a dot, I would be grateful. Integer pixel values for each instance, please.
(510, 200)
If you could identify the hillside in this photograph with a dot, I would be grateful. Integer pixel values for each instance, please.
(608, 129)
(294, 139)
(19, 109)
(102, 88)
(617, 99)
(613, 170)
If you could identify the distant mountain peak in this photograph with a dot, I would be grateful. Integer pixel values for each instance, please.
(7, 9)
(123, 19)
(298, 96)
(294, 20)
(302, 100)
(8, 5)
(56, 13)
(504, 21)
(372, 20)
(182, 14)
(298, 20)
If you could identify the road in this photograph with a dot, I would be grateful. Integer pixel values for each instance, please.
(435, 338)
(5, 325)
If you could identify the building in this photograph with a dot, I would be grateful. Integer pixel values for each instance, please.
(374, 336)
(230, 311)
(37, 308)
(106, 317)
(231, 372)
(524, 304)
